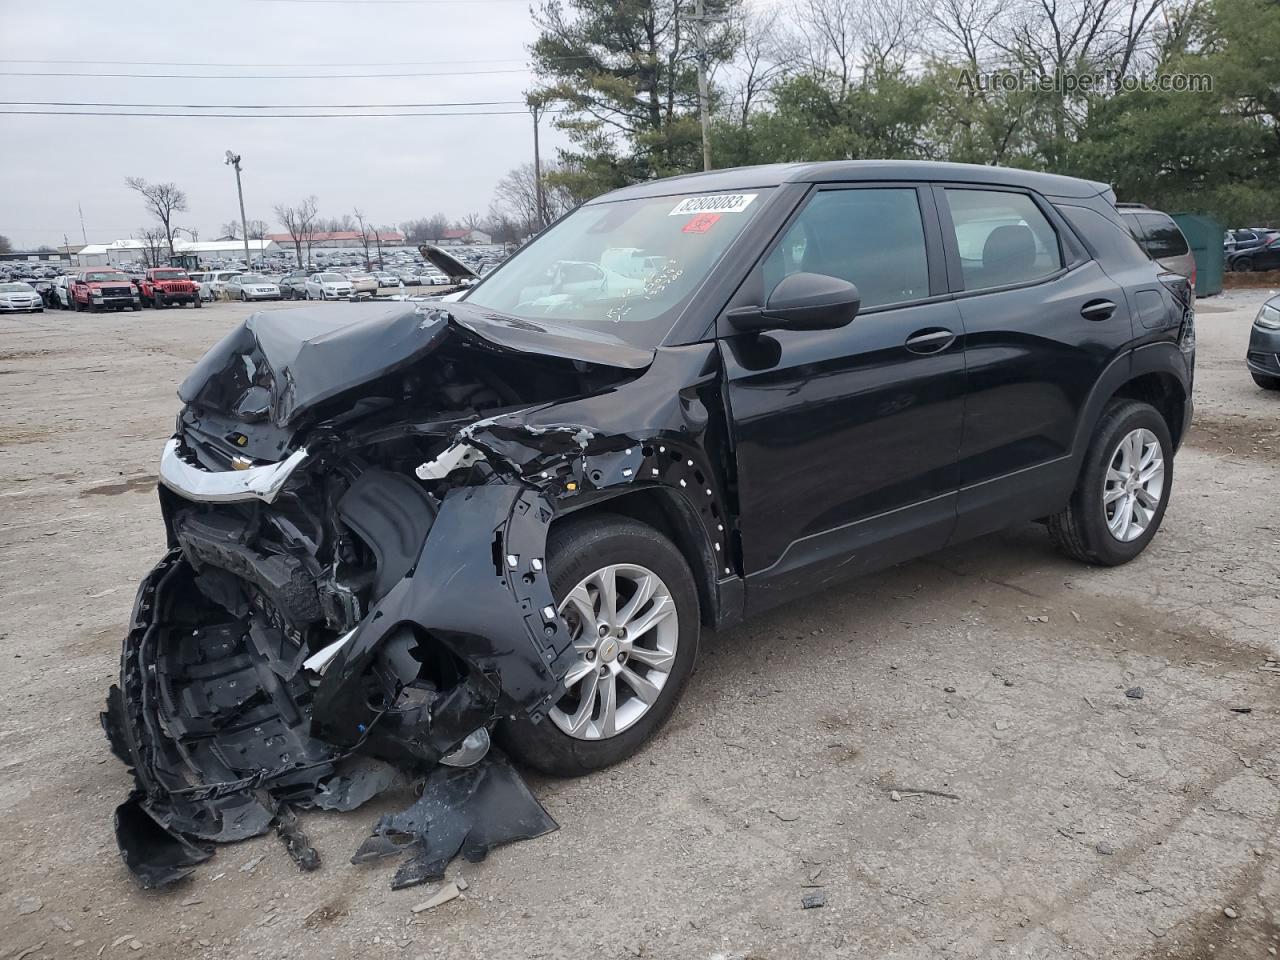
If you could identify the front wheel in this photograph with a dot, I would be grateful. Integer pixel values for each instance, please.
(1243, 265)
(631, 606)
(196, 302)
(1123, 490)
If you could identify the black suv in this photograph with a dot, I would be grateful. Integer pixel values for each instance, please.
(395, 528)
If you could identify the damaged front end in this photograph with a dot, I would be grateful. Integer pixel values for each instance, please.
(356, 585)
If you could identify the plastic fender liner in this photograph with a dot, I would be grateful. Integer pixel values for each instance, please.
(480, 587)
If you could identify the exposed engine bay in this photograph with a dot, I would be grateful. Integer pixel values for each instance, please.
(356, 589)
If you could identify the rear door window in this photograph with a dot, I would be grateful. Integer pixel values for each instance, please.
(1002, 238)
(872, 237)
(1162, 238)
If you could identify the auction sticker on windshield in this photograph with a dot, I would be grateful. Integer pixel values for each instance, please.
(716, 203)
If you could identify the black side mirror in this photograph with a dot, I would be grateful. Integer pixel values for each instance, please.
(802, 301)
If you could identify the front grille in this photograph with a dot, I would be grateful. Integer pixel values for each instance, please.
(1269, 361)
(115, 291)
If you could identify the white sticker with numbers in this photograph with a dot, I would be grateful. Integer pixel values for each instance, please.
(713, 203)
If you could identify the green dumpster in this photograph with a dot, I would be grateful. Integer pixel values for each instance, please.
(1205, 237)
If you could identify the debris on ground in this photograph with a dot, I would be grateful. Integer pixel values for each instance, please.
(1105, 849)
(1241, 709)
(1230, 913)
(812, 900)
(29, 905)
(1135, 693)
(467, 810)
(447, 892)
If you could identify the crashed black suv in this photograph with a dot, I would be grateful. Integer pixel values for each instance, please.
(396, 528)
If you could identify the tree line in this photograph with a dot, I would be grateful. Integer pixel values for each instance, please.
(976, 81)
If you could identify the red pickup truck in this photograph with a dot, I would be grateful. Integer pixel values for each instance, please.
(161, 286)
(106, 289)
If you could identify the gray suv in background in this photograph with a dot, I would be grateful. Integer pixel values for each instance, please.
(1160, 237)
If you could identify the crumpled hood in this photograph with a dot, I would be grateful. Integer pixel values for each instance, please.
(305, 356)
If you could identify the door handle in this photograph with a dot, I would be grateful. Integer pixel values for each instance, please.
(1097, 310)
(930, 340)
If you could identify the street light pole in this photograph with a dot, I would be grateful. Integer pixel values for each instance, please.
(536, 107)
(234, 160)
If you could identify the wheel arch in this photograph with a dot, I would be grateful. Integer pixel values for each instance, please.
(1155, 373)
(674, 517)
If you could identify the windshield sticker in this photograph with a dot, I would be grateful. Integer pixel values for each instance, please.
(717, 203)
(701, 223)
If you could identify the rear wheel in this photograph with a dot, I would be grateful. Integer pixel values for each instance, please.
(632, 608)
(1124, 487)
(1243, 265)
(1265, 382)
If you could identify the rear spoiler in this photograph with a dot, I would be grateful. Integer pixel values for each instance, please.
(447, 263)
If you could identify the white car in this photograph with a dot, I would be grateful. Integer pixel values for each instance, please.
(251, 286)
(62, 292)
(329, 286)
(387, 281)
(217, 279)
(19, 297)
(201, 280)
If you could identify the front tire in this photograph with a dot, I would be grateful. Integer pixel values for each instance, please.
(1265, 382)
(1123, 490)
(625, 682)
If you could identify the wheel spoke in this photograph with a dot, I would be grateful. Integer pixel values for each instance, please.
(1146, 497)
(587, 705)
(1114, 475)
(608, 722)
(645, 690)
(645, 587)
(659, 610)
(1115, 493)
(658, 659)
(576, 672)
(607, 582)
(1151, 471)
(580, 601)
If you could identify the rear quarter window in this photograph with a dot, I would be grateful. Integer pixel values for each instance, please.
(1163, 238)
(1108, 241)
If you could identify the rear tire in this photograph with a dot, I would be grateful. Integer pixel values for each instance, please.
(1083, 530)
(1243, 265)
(576, 551)
(1265, 382)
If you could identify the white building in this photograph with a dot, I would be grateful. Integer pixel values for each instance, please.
(131, 250)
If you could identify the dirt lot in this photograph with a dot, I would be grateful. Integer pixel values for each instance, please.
(1085, 824)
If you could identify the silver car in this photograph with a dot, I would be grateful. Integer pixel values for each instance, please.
(329, 286)
(251, 286)
(19, 297)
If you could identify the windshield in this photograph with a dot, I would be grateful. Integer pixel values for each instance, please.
(169, 274)
(332, 278)
(106, 277)
(252, 278)
(15, 288)
(625, 268)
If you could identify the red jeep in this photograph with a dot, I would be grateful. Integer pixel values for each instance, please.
(161, 286)
(106, 289)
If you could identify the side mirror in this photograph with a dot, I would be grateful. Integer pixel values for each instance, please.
(802, 301)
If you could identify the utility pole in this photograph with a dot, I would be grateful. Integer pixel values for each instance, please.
(83, 236)
(700, 39)
(536, 106)
(234, 161)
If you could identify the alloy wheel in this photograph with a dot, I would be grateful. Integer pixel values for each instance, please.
(1134, 485)
(625, 629)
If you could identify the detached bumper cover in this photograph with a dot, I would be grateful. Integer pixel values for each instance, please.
(231, 486)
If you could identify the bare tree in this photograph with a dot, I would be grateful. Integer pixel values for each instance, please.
(231, 230)
(299, 222)
(364, 234)
(258, 229)
(761, 62)
(163, 200)
(515, 199)
(430, 228)
(153, 240)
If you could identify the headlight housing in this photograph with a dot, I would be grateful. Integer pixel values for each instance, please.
(1268, 317)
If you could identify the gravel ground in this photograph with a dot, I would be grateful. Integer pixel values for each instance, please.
(1081, 822)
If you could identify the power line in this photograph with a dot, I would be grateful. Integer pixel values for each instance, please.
(188, 63)
(263, 116)
(268, 76)
(262, 106)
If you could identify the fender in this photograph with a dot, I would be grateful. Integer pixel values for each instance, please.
(1164, 357)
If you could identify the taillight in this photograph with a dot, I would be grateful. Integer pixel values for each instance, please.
(1193, 275)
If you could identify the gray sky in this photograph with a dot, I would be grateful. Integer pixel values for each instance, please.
(393, 168)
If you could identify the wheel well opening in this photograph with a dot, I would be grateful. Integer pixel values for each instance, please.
(663, 511)
(1164, 392)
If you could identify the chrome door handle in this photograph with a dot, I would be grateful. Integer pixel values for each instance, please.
(930, 340)
(1097, 310)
